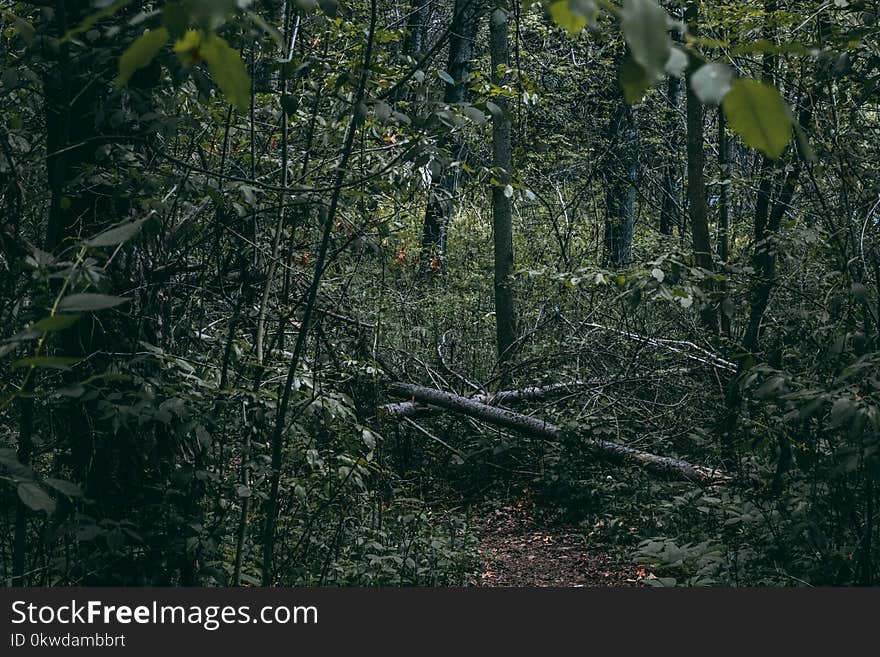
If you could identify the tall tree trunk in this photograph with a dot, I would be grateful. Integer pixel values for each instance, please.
(87, 193)
(670, 209)
(756, 311)
(696, 192)
(723, 204)
(763, 260)
(765, 257)
(501, 211)
(442, 195)
(79, 209)
(416, 27)
(723, 214)
(768, 75)
(621, 193)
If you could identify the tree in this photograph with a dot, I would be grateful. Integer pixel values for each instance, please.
(210, 295)
(623, 177)
(670, 209)
(502, 191)
(441, 199)
(696, 186)
(671, 202)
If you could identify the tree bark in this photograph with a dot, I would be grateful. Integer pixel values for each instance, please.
(696, 193)
(621, 194)
(442, 195)
(502, 221)
(538, 428)
(669, 210)
(765, 249)
(723, 213)
(723, 207)
(416, 27)
(404, 409)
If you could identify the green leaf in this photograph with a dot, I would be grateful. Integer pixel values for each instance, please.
(65, 487)
(9, 460)
(564, 17)
(117, 235)
(50, 362)
(289, 104)
(383, 111)
(645, 26)
(55, 323)
(841, 411)
(73, 391)
(140, 53)
(24, 28)
(771, 388)
(712, 82)
(35, 498)
(187, 47)
(634, 81)
(474, 114)
(227, 69)
(89, 302)
(757, 113)
(8, 349)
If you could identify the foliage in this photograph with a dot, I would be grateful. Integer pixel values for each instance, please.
(214, 259)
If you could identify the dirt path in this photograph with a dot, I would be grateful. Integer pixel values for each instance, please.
(519, 550)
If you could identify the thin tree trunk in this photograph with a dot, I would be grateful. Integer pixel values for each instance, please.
(765, 250)
(264, 306)
(723, 207)
(621, 194)
(442, 194)
(502, 222)
(670, 209)
(696, 192)
(416, 27)
(723, 215)
(277, 441)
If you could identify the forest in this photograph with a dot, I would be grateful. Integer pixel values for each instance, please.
(440, 293)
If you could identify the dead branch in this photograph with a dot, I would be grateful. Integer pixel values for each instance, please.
(539, 428)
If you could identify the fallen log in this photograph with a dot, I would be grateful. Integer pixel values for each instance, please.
(539, 428)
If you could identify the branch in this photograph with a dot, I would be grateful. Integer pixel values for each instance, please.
(538, 428)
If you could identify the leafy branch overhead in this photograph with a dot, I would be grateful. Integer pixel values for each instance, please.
(201, 43)
(192, 46)
(755, 110)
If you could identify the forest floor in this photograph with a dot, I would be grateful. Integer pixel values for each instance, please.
(518, 548)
